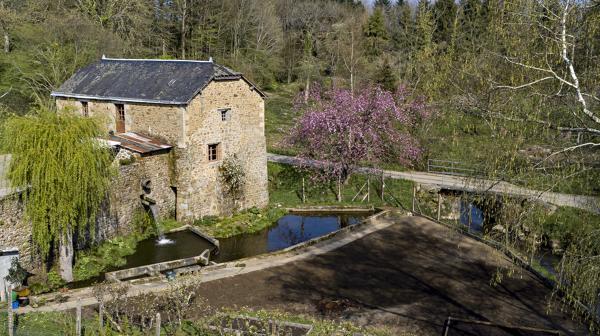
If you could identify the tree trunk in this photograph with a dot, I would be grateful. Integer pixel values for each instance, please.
(352, 65)
(6, 43)
(306, 89)
(65, 256)
(339, 189)
(183, 28)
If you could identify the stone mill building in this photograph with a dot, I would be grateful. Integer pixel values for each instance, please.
(173, 122)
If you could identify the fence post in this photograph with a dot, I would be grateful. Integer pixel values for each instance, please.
(439, 209)
(447, 325)
(101, 317)
(303, 191)
(414, 198)
(78, 318)
(382, 186)
(158, 322)
(470, 215)
(339, 189)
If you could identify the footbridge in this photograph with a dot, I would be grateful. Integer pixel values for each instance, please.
(469, 184)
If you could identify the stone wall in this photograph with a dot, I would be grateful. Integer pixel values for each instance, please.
(200, 191)
(15, 232)
(161, 121)
(115, 217)
(127, 192)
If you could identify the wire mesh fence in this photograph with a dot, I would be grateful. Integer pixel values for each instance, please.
(462, 327)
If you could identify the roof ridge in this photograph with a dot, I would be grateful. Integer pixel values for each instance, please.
(104, 58)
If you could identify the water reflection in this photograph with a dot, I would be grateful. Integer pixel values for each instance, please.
(471, 216)
(290, 230)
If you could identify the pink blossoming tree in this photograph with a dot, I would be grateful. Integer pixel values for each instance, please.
(339, 131)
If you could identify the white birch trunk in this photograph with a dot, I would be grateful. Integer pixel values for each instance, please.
(6, 43)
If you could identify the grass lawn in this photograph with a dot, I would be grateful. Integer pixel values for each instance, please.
(42, 324)
(285, 190)
(63, 323)
(279, 117)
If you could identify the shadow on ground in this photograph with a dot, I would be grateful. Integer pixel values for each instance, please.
(410, 276)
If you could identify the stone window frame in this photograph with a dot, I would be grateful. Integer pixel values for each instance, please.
(85, 108)
(120, 116)
(225, 114)
(214, 152)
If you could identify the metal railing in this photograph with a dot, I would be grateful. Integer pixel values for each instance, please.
(455, 168)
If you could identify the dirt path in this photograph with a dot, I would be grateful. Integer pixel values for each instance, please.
(410, 276)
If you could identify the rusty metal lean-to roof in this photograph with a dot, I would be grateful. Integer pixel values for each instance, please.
(139, 143)
(148, 81)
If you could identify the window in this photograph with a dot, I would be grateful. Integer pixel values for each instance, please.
(225, 114)
(214, 152)
(84, 109)
(120, 118)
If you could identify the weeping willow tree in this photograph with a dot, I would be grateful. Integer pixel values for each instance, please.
(67, 173)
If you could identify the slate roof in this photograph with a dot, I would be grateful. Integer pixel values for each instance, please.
(139, 143)
(171, 82)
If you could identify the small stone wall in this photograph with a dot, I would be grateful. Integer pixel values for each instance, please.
(15, 232)
(155, 269)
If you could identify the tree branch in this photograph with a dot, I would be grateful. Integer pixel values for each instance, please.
(571, 68)
(6, 93)
(524, 85)
(568, 149)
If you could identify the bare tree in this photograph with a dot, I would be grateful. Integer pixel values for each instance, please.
(350, 47)
(563, 73)
(183, 13)
(555, 76)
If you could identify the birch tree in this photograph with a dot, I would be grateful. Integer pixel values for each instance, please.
(554, 76)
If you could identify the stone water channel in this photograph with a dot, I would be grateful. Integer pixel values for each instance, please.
(291, 229)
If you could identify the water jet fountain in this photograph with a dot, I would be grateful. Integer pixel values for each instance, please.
(151, 204)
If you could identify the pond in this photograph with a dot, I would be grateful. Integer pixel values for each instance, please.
(289, 230)
(184, 244)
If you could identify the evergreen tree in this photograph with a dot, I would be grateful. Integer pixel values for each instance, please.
(376, 33)
(472, 23)
(386, 77)
(385, 4)
(402, 27)
(444, 12)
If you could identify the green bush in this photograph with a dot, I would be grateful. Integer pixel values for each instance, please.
(249, 221)
(566, 223)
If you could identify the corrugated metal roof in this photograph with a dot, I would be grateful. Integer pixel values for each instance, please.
(139, 143)
(174, 82)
